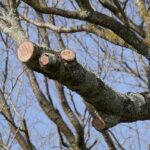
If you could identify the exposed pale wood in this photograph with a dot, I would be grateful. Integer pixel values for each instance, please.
(68, 55)
(44, 60)
(25, 51)
(48, 58)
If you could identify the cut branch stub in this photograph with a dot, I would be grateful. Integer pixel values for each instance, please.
(99, 123)
(68, 55)
(47, 59)
(25, 51)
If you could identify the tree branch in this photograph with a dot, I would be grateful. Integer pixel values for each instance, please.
(6, 111)
(129, 107)
(109, 140)
(102, 32)
(84, 4)
(100, 19)
(112, 8)
(48, 108)
(60, 90)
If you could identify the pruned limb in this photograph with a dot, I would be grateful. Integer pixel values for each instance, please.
(92, 89)
(68, 55)
(102, 121)
(91, 28)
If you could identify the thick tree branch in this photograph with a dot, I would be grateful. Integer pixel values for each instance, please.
(129, 107)
(74, 76)
(70, 73)
(112, 8)
(90, 28)
(107, 106)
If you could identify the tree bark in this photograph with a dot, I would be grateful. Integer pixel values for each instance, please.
(65, 69)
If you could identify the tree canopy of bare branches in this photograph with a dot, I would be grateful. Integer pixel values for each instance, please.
(71, 67)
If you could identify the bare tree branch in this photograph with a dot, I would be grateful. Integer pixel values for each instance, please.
(68, 72)
(6, 111)
(98, 18)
